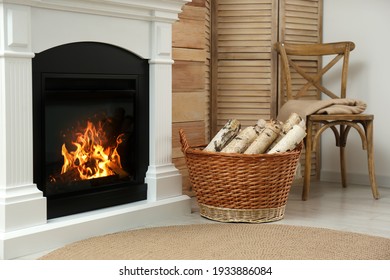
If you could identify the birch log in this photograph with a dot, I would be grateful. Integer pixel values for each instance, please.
(265, 138)
(224, 136)
(242, 141)
(290, 140)
(292, 120)
(245, 137)
(260, 125)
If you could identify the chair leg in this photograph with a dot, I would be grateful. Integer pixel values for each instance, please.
(343, 167)
(309, 145)
(370, 159)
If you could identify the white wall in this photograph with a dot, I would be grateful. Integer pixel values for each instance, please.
(366, 23)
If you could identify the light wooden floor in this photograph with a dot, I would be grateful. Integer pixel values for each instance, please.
(329, 206)
(348, 209)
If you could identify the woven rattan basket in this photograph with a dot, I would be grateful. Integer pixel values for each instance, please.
(232, 187)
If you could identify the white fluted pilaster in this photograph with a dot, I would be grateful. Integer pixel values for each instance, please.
(22, 205)
(162, 177)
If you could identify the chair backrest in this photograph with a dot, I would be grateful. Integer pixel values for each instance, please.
(292, 56)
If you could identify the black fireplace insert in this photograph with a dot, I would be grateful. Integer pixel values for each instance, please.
(91, 127)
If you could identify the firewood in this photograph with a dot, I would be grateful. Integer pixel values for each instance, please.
(261, 124)
(224, 136)
(118, 170)
(292, 120)
(71, 175)
(290, 140)
(242, 141)
(265, 138)
(245, 137)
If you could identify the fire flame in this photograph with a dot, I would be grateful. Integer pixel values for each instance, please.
(91, 158)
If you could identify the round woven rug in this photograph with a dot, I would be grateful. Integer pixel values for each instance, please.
(227, 242)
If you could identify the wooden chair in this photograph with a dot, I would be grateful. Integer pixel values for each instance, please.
(340, 124)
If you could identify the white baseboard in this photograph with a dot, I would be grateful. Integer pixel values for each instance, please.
(354, 178)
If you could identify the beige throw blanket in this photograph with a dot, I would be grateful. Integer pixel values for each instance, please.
(327, 106)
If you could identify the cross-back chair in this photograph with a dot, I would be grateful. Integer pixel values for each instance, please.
(290, 55)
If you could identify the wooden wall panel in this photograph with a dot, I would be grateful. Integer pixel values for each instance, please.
(301, 21)
(190, 80)
(243, 63)
(188, 76)
(195, 134)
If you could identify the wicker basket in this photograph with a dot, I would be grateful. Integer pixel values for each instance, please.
(240, 188)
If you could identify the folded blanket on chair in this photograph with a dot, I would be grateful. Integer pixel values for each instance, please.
(327, 106)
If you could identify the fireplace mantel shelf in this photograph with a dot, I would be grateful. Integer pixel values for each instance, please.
(149, 10)
(28, 27)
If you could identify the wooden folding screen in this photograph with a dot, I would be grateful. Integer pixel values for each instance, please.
(301, 22)
(244, 66)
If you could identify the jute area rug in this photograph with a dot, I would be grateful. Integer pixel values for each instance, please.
(227, 242)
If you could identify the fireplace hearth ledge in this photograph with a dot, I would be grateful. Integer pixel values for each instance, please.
(65, 230)
(32, 26)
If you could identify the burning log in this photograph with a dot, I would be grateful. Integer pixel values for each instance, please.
(117, 170)
(224, 136)
(93, 156)
(91, 160)
(71, 175)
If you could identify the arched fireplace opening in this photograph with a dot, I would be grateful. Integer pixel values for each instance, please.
(90, 126)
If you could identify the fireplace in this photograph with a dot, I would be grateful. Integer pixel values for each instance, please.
(91, 127)
(49, 103)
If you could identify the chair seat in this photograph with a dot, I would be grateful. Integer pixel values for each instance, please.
(345, 117)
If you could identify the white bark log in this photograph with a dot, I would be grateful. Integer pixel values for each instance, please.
(265, 138)
(242, 141)
(224, 136)
(261, 124)
(290, 140)
(292, 120)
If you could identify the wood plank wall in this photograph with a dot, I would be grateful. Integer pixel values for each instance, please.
(190, 80)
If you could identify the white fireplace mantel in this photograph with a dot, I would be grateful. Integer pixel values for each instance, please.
(143, 27)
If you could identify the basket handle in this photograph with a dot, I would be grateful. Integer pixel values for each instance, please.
(183, 140)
